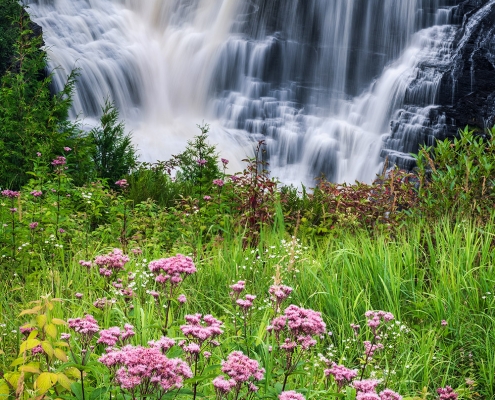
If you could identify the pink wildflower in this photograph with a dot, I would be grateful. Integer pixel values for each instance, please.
(175, 268)
(375, 318)
(67, 149)
(182, 299)
(78, 295)
(33, 225)
(304, 322)
(224, 161)
(290, 395)
(122, 183)
(218, 182)
(447, 393)
(444, 322)
(163, 344)
(207, 198)
(137, 251)
(222, 385)
(38, 154)
(65, 336)
(37, 350)
(280, 292)
(201, 163)
(147, 368)
(192, 348)
(241, 368)
(199, 332)
(86, 264)
(366, 385)
(111, 262)
(26, 330)
(246, 303)
(370, 349)
(37, 193)
(388, 394)
(341, 374)
(367, 396)
(10, 194)
(86, 326)
(60, 160)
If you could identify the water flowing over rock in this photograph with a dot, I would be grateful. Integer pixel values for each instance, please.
(334, 87)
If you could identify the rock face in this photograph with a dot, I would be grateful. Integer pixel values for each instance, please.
(467, 92)
(463, 76)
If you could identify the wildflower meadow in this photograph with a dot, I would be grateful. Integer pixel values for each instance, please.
(232, 286)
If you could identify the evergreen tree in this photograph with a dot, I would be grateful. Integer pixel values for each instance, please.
(31, 118)
(114, 156)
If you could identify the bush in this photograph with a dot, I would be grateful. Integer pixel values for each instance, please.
(458, 176)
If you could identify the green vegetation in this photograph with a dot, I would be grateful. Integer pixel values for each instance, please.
(10, 11)
(341, 292)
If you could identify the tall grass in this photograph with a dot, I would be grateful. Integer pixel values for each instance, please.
(423, 274)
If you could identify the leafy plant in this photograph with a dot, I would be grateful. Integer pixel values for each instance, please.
(458, 175)
(114, 155)
(31, 118)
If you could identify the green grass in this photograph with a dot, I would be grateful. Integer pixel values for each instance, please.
(423, 274)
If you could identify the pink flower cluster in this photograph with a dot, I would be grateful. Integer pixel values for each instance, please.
(278, 294)
(163, 344)
(218, 182)
(301, 322)
(246, 303)
(290, 395)
(37, 193)
(236, 290)
(10, 193)
(173, 269)
(366, 390)
(114, 335)
(447, 393)
(59, 160)
(86, 264)
(375, 319)
(341, 374)
(240, 369)
(122, 183)
(86, 326)
(201, 331)
(371, 348)
(111, 263)
(146, 367)
(222, 385)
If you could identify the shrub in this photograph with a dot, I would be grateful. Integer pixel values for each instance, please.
(458, 175)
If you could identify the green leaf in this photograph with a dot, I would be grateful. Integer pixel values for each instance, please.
(98, 393)
(4, 389)
(76, 388)
(45, 381)
(51, 330)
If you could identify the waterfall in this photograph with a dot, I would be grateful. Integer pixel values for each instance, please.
(319, 80)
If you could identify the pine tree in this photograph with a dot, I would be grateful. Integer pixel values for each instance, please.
(114, 156)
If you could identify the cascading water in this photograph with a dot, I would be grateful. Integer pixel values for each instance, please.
(319, 80)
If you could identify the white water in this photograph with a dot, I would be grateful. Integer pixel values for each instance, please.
(320, 80)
